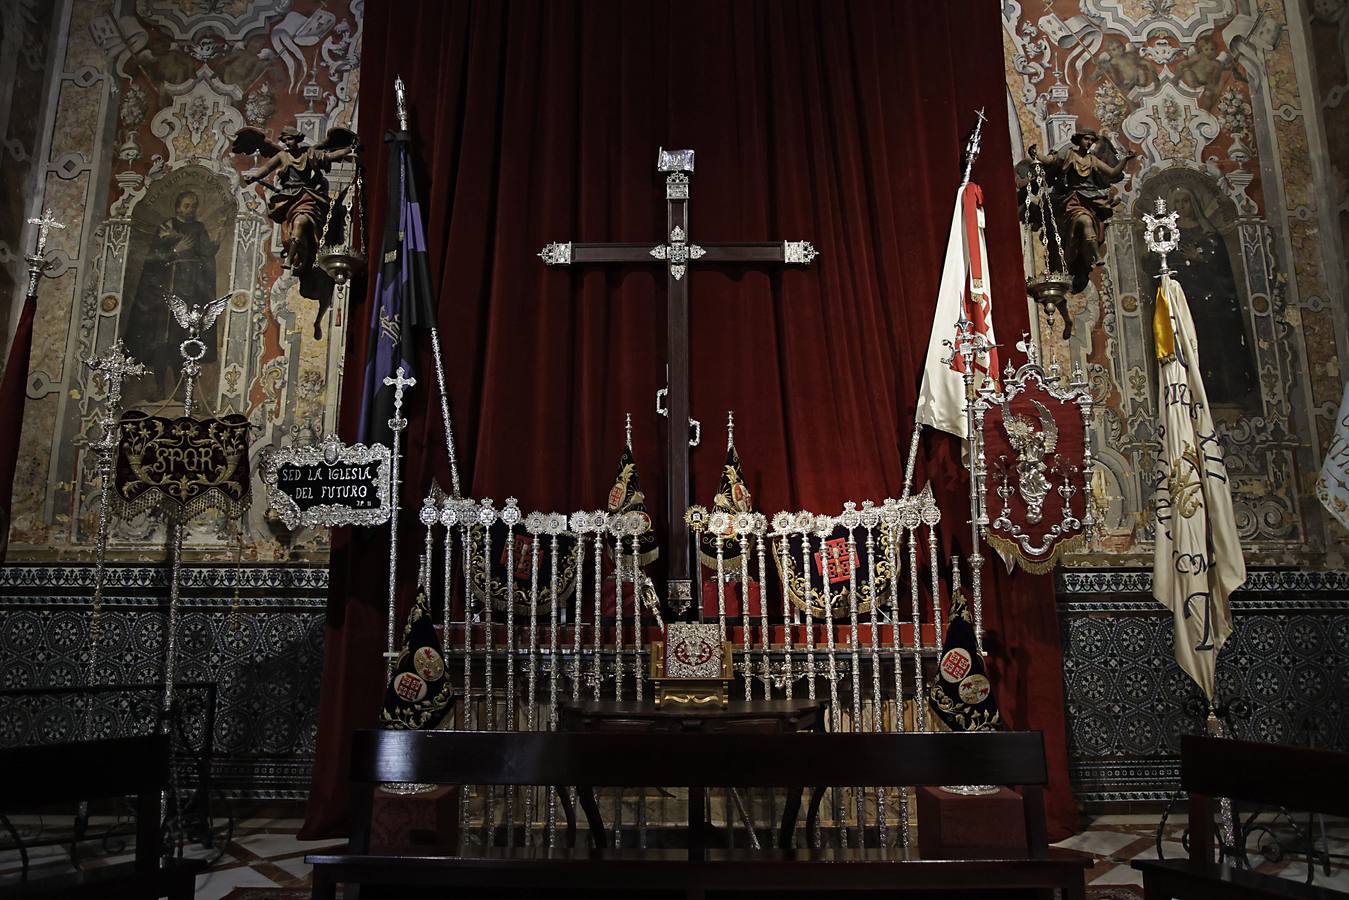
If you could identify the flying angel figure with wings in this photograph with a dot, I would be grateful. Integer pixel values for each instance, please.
(1081, 175)
(299, 200)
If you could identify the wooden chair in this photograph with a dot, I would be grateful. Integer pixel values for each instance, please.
(1272, 774)
(92, 770)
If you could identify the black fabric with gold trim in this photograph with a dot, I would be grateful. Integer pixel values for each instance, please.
(181, 467)
(626, 496)
(419, 694)
(836, 564)
(961, 695)
(732, 497)
(521, 560)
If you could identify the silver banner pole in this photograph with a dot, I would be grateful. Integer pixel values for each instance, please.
(510, 516)
(870, 519)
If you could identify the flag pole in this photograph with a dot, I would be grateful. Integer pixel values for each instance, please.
(401, 103)
(971, 153)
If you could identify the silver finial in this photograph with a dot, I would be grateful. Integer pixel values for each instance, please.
(1162, 234)
(730, 428)
(627, 430)
(400, 99)
(972, 146)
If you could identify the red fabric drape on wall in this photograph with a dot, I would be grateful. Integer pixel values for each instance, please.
(841, 124)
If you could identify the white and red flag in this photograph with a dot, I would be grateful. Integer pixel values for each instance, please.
(963, 293)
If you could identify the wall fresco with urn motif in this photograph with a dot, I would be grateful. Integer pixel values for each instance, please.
(1213, 95)
(145, 96)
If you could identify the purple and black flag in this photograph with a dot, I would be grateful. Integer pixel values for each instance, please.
(402, 300)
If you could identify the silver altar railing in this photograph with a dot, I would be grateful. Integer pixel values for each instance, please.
(540, 608)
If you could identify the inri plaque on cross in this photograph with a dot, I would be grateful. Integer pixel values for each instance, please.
(678, 252)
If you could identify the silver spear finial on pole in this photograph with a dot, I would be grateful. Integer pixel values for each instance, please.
(730, 428)
(400, 99)
(972, 146)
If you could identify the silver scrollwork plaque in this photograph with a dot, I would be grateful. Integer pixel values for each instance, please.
(329, 483)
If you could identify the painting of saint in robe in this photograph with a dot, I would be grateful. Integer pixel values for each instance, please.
(180, 258)
(1203, 265)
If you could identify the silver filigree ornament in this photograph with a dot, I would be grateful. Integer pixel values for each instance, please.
(556, 254)
(1033, 446)
(678, 252)
(510, 513)
(330, 451)
(798, 253)
(1162, 234)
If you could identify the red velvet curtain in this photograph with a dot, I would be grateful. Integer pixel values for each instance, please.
(838, 123)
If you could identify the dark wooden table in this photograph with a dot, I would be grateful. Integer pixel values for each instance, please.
(740, 717)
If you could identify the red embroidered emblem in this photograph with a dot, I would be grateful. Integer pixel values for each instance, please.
(834, 561)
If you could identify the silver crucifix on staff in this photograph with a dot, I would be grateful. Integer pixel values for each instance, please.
(37, 260)
(400, 382)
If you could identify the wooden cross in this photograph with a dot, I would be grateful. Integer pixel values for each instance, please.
(678, 253)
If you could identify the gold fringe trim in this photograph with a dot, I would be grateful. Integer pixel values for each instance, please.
(1037, 566)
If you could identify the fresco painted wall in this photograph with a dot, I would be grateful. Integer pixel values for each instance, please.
(1214, 96)
(146, 95)
(1232, 106)
(121, 122)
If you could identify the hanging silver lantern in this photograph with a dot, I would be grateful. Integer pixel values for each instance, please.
(345, 255)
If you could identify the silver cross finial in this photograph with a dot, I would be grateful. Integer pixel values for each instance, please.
(730, 428)
(44, 226)
(400, 382)
(627, 430)
(1162, 234)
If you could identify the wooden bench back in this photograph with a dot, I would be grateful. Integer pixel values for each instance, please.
(685, 760)
(1274, 774)
(92, 770)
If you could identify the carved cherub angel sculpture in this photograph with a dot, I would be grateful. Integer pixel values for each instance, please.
(299, 198)
(1079, 179)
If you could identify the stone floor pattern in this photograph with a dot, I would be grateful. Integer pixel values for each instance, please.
(265, 858)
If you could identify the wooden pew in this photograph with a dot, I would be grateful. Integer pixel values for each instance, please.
(698, 761)
(93, 770)
(1266, 774)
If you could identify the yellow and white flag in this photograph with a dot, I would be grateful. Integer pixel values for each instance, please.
(1332, 487)
(1197, 561)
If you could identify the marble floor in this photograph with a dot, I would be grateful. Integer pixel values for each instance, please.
(264, 858)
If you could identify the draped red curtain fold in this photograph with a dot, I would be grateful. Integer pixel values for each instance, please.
(838, 123)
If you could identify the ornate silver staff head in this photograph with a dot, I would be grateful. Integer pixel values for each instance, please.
(580, 522)
(487, 515)
(928, 510)
(535, 523)
(743, 523)
(782, 524)
(510, 513)
(429, 515)
(400, 100)
(909, 515)
(695, 517)
(557, 524)
(823, 526)
(599, 521)
(634, 523)
(449, 512)
(871, 517)
(803, 522)
(719, 523)
(850, 518)
(889, 513)
(1162, 234)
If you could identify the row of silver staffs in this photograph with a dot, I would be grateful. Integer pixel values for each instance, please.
(891, 526)
(586, 663)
